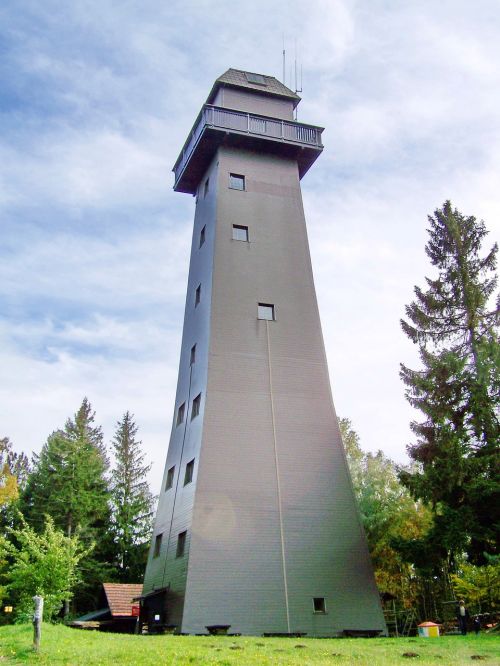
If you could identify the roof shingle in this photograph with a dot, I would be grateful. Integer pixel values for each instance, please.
(120, 595)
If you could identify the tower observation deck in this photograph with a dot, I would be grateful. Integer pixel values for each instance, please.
(257, 526)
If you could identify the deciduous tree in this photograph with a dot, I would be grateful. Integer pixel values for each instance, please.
(44, 563)
(388, 513)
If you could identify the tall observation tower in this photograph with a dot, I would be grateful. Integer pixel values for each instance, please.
(257, 526)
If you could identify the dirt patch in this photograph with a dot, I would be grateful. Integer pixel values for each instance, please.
(410, 655)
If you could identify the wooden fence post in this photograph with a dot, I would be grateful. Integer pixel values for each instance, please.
(37, 622)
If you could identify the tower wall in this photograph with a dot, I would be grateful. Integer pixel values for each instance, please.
(269, 420)
(253, 102)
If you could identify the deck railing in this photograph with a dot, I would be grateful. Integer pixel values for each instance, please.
(216, 116)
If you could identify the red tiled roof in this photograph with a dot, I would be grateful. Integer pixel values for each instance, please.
(120, 595)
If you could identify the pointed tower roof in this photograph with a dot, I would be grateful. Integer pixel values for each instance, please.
(267, 85)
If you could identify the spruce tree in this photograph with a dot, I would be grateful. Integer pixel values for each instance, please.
(131, 501)
(456, 329)
(68, 483)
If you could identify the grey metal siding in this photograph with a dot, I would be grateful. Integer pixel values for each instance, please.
(175, 506)
(236, 565)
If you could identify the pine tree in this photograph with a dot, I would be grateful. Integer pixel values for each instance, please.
(68, 479)
(68, 483)
(131, 501)
(457, 389)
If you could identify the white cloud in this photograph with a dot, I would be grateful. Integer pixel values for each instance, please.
(94, 275)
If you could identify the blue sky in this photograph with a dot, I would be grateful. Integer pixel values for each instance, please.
(95, 103)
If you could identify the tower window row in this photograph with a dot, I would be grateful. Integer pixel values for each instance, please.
(188, 475)
(181, 544)
(195, 410)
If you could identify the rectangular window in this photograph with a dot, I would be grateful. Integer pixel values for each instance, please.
(202, 236)
(197, 295)
(265, 311)
(196, 406)
(157, 549)
(180, 413)
(256, 78)
(181, 544)
(205, 188)
(236, 182)
(170, 478)
(319, 605)
(193, 355)
(188, 476)
(240, 233)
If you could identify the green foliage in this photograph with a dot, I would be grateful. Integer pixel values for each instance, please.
(68, 479)
(68, 483)
(131, 501)
(40, 563)
(457, 390)
(478, 586)
(388, 513)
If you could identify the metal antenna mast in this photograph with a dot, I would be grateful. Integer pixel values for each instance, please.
(284, 60)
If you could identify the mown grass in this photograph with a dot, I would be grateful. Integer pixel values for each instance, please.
(73, 647)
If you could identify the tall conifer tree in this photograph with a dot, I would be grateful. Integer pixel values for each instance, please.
(456, 329)
(131, 501)
(68, 483)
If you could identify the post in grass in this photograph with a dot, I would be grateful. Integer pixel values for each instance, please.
(37, 622)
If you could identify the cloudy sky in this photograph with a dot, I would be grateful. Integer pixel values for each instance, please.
(96, 99)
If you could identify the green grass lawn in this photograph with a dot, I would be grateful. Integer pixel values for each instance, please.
(61, 645)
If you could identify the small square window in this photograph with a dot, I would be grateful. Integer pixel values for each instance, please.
(193, 355)
(240, 233)
(236, 182)
(319, 605)
(202, 236)
(265, 311)
(181, 544)
(157, 549)
(170, 478)
(188, 476)
(197, 295)
(180, 413)
(196, 406)
(205, 188)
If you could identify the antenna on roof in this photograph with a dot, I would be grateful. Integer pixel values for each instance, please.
(284, 60)
(297, 89)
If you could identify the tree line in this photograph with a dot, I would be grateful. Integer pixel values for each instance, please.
(70, 522)
(433, 526)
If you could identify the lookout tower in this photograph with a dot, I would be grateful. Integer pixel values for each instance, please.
(257, 526)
